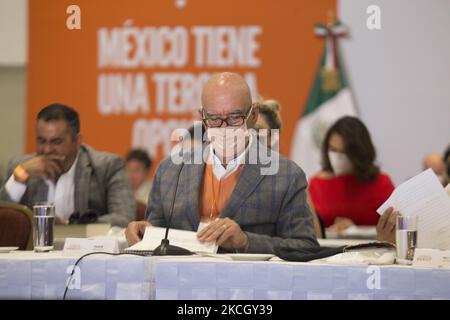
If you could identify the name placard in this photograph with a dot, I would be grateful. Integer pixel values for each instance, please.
(80, 246)
(431, 258)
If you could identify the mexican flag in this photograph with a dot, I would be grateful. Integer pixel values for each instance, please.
(330, 99)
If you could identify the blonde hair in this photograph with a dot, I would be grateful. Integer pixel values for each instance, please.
(271, 110)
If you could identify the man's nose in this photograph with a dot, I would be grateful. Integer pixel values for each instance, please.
(47, 148)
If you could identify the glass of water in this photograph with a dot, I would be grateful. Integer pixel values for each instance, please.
(44, 221)
(405, 238)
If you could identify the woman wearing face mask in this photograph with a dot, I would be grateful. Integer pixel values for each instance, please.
(350, 186)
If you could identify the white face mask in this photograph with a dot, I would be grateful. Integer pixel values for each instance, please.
(340, 163)
(228, 142)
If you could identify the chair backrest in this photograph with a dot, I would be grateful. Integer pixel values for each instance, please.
(16, 226)
(140, 210)
(317, 221)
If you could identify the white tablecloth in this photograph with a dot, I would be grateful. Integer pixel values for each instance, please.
(28, 275)
(190, 279)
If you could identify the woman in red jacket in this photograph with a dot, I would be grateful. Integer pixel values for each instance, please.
(350, 186)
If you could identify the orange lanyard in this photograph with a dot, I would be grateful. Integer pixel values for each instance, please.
(214, 202)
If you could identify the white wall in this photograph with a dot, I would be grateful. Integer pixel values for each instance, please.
(13, 32)
(400, 76)
(12, 114)
(13, 47)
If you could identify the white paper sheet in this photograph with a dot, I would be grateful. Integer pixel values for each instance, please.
(423, 196)
(181, 238)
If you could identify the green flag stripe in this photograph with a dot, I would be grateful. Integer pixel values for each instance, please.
(317, 96)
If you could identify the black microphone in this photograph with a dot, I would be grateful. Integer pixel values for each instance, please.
(166, 249)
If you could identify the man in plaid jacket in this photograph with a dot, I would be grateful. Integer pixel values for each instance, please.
(253, 208)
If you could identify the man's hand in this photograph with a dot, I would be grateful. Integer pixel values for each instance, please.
(226, 232)
(386, 225)
(135, 231)
(50, 166)
(340, 225)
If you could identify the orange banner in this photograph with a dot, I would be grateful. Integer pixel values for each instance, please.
(135, 68)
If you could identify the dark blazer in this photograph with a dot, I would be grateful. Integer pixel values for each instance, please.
(271, 209)
(100, 185)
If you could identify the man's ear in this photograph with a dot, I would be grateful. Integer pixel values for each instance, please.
(255, 111)
(253, 115)
(79, 140)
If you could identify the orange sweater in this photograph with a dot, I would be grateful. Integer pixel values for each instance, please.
(216, 191)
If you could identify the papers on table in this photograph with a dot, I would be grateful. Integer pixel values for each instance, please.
(181, 238)
(423, 196)
(431, 258)
(353, 232)
(81, 230)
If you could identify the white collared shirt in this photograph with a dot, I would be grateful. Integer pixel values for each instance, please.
(219, 170)
(61, 194)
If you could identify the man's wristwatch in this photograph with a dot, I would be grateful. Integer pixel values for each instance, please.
(20, 174)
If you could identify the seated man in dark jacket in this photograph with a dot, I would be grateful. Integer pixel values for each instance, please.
(82, 183)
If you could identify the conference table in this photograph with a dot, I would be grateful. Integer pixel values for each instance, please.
(29, 275)
(44, 275)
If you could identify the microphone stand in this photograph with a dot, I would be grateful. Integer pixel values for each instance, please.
(165, 248)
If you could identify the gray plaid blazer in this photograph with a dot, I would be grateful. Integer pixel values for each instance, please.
(271, 209)
(100, 185)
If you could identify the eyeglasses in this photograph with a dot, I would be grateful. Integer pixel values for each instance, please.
(234, 120)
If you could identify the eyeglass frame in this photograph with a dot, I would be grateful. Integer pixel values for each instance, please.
(222, 119)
